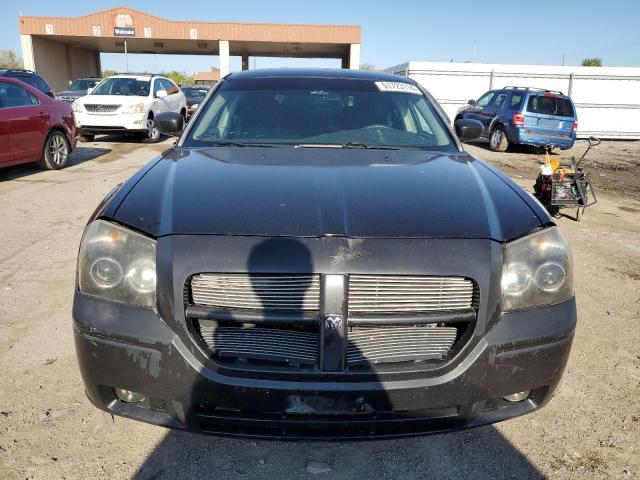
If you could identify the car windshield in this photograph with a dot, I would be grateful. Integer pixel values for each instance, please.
(123, 86)
(80, 85)
(320, 112)
(194, 92)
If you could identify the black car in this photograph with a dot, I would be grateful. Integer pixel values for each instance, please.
(318, 257)
(194, 96)
(78, 88)
(30, 78)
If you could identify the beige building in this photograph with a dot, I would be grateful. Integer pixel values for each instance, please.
(207, 79)
(64, 48)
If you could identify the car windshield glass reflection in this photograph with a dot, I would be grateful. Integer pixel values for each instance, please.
(310, 112)
(123, 86)
(79, 85)
(194, 93)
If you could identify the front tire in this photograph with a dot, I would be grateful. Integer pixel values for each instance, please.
(56, 151)
(498, 141)
(153, 134)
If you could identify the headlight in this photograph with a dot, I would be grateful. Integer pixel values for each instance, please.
(117, 264)
(76, 107)
(537, 270)
(135, 108)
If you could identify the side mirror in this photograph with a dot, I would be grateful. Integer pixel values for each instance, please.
(472, 102)
(169, 123)
(467, 129)
(161, 93)
(89, 90)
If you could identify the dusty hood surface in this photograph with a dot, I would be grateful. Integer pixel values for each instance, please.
(309, 192)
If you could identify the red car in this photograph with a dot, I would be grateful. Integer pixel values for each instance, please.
(34, 127)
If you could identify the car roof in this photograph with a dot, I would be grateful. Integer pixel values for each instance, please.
(16, 71)
(319, 73)
(136, 75)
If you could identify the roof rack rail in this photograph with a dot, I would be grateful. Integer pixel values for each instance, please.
(534, 89)
(18, 70)
(141, 74)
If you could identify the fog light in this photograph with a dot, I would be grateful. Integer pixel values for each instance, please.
(129, 396)
(517, 397)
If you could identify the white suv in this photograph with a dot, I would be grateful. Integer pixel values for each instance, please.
(127, 103)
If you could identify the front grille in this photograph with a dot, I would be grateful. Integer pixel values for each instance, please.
(366, 346)
(256, 291)
(262, 344)
(99, 108)
(255, 320)
(374, 294)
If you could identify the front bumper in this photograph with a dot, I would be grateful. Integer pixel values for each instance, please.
(133, 348)
(89, 123)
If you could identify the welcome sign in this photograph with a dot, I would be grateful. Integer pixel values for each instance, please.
(124, 32)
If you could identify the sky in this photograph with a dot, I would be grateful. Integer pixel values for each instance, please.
(393, 32)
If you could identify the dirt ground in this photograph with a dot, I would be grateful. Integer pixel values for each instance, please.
(48, 430)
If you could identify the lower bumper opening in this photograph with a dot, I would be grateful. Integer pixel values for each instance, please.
(327, 427)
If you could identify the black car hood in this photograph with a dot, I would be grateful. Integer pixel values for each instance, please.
(310, 192)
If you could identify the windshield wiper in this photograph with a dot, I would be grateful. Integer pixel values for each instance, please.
(345, 145)
(365, 145)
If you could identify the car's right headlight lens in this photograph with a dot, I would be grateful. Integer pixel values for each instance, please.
(537, 270)
(118, 264)
(76, 107)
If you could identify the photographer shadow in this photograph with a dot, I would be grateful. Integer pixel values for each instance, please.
(480, 453)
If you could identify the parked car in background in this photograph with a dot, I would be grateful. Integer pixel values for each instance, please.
(317, 256)
(194, 97)
(34, 127)
(78, 88)
(524, 115)
(31, 78)
(128, 103)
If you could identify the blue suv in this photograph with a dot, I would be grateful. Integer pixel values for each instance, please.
(524, 115)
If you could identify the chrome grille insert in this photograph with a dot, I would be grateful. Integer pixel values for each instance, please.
(398, 344)
(256, 291)
(372, 294)
(267, 344)
(99, 108)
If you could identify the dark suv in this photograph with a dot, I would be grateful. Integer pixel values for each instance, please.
(317, 256)
(30, 78)
(524, 115)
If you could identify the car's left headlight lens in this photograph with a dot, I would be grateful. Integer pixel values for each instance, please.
(117, 264)
(537, 270)
(76, 107)
(135, 108)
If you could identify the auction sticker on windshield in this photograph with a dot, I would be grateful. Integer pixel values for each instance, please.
(398, 87)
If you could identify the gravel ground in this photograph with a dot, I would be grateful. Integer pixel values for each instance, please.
(48, 430)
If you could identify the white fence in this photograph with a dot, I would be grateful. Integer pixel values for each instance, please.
(607, 99)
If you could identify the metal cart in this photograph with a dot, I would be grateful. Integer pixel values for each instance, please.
(565, 185)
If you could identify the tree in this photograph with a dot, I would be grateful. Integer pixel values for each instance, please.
(367, 66)
(592, 62)
(107, 73)
(181, 78)
(8, 59)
